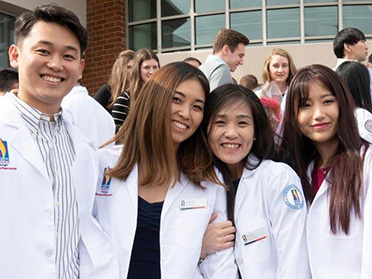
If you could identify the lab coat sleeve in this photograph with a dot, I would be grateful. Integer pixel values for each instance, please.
(221, 264)
(366, 272)
(287, 222)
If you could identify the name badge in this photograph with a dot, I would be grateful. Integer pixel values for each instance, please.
(193, 204)
(255, 236)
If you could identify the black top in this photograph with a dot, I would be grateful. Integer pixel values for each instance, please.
(103, 96)
(145, 259)
(236, 184)
(120, 110)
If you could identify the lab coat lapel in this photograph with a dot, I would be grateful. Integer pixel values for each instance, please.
(242, 192)
(173, 193)
(323, 188)
(84, 168)
(132, 185)
(19, 137)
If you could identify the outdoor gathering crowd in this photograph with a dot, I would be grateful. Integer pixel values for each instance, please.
(176, 170)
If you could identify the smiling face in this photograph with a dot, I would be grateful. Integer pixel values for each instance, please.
(236, 58)
(148, 67)
(318, 117)
(49, 65)
(186, 110)
(279, 69)
(231, 135)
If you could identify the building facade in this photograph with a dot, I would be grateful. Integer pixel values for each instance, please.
(176, 29)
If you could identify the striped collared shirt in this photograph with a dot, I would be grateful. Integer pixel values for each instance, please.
(58, 154)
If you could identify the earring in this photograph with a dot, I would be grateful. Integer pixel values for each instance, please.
(254, 139)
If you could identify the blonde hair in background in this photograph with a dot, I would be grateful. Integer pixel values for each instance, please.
(281, 52)
(136, 82)
(118, 81)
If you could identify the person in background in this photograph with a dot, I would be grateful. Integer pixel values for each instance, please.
(89, 116)
(155, 198)
(228, 55)
(145, 64)
(47, 170)
(334, 165)
(118, 81)
(279, 70)
(350, 44)
(357, 78)
(369, 61)
(192, 61)
(265, 198)
(249, 81)
(8, 80)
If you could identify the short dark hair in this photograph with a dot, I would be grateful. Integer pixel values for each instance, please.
(249, 81)
(229, 37)
(350, 36)
(188, 59)
(8, 78)
(370, 58)
(357, 78)
(52, 13)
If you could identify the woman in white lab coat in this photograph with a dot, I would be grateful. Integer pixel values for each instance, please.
(270, 209)
(151, 199)
(334, 164)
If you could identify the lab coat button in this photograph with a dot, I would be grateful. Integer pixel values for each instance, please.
(48, 211)
(239, 261)
(48, 253)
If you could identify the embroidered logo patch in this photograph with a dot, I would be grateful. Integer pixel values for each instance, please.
(293, 197)
(106, 181)
(4, 153)
(105, 185)
(368, 125)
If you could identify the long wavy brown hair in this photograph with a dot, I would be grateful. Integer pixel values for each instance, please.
(136, 82)
(345, 177)
(146, 134)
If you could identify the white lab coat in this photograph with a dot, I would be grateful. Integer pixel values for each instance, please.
(96, 124)
(181, 231)
(364, 120)
(260, 205)
(27, 237)
(338, 256)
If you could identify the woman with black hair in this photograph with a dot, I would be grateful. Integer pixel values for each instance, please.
(268, 209)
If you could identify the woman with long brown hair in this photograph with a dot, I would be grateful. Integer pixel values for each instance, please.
(334, 165)
(155, 195)
(118, 81)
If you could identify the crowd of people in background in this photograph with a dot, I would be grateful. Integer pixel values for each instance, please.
(176, 171)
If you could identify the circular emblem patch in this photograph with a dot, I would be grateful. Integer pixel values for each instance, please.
(293, 197)
(368, 125)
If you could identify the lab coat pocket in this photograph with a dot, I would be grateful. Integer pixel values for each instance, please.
(355, 228)
(190, 227)
(254, 237)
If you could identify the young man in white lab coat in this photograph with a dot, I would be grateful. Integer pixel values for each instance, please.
(47, 171)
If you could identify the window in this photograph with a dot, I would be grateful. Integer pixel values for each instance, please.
(193, 24)
(6, 38)
(321, 21)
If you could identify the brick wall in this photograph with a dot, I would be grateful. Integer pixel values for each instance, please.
(106, 28)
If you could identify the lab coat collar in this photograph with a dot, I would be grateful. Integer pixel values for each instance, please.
(173, 193)
(323, 188)
(247, 173)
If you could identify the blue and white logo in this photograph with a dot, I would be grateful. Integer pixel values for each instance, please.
(293, 197)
